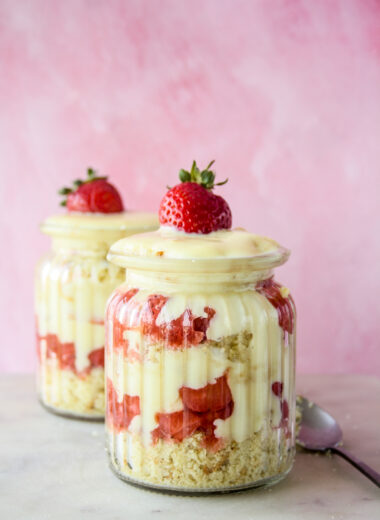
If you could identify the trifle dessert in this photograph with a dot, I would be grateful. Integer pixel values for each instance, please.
(73, 283)
(200, 351)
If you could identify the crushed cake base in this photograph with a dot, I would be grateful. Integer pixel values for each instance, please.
(65, 392)
(190, 466)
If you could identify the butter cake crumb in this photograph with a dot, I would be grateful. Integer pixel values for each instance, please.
(189, 465)
(65, 391)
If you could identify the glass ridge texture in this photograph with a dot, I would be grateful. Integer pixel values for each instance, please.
(200, 380)
(72, 285)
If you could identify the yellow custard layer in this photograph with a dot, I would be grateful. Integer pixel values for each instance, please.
(170, 243)
(73, 283)
(244, 341)
(70, 297)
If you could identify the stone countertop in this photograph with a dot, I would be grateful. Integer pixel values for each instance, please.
(55, 468)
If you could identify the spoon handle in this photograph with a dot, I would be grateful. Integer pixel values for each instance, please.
(361, 466)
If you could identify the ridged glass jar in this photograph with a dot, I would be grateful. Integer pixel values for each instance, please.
(200, 373)
(72, 285)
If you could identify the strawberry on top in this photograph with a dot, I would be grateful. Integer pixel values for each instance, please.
(94, 195)
(192, 206)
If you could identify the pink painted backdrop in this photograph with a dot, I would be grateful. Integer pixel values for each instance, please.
(285, 95)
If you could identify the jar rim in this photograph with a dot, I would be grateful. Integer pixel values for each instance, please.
(81, 224)
(259, 262)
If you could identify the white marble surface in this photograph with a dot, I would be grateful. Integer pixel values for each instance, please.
(55, 468)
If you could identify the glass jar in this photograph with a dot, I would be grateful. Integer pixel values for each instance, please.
(200, 371)
(73, 283)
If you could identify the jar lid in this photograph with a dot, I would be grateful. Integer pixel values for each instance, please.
(87, 224)
(170, 250)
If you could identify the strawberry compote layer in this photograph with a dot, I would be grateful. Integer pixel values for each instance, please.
(200, 375)
(73, 283)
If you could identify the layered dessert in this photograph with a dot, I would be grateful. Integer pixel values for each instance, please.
(200, 346)
(73, 283)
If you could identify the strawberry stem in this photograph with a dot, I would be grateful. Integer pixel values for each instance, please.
(205, 178)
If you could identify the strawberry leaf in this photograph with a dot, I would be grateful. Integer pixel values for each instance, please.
(211, 163)
(64, 191)
(184, 176)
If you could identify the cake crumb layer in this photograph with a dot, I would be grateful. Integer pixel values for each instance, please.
(65, 391)
(189, 465)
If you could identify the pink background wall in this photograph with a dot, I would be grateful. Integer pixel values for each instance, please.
(285, 95)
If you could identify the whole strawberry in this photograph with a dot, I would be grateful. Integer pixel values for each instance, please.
(94, 195)
(192, 206)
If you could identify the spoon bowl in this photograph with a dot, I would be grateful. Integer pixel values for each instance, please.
(319, 431)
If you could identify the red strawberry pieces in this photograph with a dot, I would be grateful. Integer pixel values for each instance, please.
(201, 408)
(176, 425)
(120, 413)
(192, 207)
(94, 195)
(186, 330)
(284, 413)
(211, 397)
(65, 354)
(96, 357)
(277, 389)
(118, 313)
(127, 313)
(284, 306)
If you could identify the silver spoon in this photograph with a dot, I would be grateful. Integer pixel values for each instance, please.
(320, 432)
